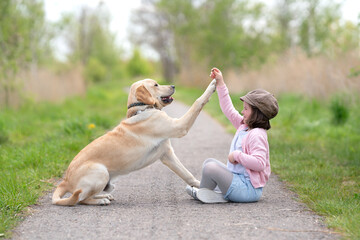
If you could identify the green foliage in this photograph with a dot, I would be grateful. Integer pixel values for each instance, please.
(3, 133)
(95, 71)
(237, 33)
(91, 43)
(138, 66)
(215, 31)
(354, 72)
(317, 160)
(316, 27)
(24, 40)
(339, 110)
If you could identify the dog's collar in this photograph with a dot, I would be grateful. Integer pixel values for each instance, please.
(136, 104)
(139, 104)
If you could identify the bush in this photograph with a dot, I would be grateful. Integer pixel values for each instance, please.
(339, 110)
(3, 134)
(138, 66)
(95, 71)
(119, 71)
(3, 137)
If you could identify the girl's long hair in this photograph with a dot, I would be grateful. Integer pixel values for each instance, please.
(258, 119)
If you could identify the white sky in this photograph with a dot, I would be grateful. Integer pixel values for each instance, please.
(120, 11)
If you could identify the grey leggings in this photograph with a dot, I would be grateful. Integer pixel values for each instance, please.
(215, 173)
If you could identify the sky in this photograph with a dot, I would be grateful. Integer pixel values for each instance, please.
(120, 16)
(120, 11)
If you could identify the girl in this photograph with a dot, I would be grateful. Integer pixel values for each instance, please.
(248, 166)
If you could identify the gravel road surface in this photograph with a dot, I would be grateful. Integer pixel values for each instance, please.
(152, 203)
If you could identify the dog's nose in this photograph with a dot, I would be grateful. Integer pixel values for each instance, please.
(172, 86)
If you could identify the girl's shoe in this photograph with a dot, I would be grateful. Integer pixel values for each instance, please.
(209, 196)
(192, 191)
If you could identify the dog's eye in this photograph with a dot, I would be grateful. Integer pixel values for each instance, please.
(156, 85)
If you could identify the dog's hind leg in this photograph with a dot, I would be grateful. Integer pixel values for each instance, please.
(106, 195)
(89, 198)
(108, 189)
(96, 201)
(92, 184)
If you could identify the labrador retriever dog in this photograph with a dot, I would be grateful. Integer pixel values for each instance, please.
(142, 138)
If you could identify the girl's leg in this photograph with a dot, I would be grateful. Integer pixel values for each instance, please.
(215, 173)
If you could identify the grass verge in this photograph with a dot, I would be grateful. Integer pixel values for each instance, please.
(315, 150)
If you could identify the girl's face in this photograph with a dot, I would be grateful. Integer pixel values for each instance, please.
(246, 112)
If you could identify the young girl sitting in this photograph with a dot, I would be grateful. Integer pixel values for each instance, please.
(248, 166)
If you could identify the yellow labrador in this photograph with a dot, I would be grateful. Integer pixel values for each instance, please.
(138, 141)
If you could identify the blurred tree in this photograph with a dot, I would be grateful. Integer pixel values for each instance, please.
(137, 65)
(24, 40)
(237, 33)
(233, 36)
(88, 36)
(286, 12)
(313, 25)
(316, 24)
(152, 28)
(95, 71)
(217, 32)
(342, 38)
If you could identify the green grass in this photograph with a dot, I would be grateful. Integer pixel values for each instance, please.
(38, 141)
(315, 150)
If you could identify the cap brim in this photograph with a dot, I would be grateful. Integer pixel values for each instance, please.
(247, 100)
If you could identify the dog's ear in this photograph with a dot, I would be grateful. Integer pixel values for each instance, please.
(143, 95)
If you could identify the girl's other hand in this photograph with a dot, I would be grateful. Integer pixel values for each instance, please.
(216, 74)
(231, 158)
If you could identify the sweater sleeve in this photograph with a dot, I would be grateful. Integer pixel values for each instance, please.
(227, 106)
(258, 150)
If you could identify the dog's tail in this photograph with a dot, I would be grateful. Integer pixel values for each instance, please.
(60, 192)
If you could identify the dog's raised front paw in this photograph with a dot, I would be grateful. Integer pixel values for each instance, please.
(212, 85)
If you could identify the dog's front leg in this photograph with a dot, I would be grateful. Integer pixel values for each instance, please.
(172, 162)
(183, 124)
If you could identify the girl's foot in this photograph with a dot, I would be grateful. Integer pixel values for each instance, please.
(192, 191)
(209, 196)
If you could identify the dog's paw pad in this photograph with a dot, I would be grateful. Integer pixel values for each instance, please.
(213, 85)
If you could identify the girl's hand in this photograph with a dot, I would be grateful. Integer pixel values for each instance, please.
(216, 74)
(231, 158)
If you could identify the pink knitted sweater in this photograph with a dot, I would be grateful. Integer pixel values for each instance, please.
(255, 155)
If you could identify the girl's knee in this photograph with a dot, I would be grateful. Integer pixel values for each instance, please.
(209, 160)
(210, 167)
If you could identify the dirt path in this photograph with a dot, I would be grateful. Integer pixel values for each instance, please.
(152, 204)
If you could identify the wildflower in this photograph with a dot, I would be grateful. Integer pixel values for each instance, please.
(91, 126)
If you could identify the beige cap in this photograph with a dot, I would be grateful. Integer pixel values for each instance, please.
(264, 101)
